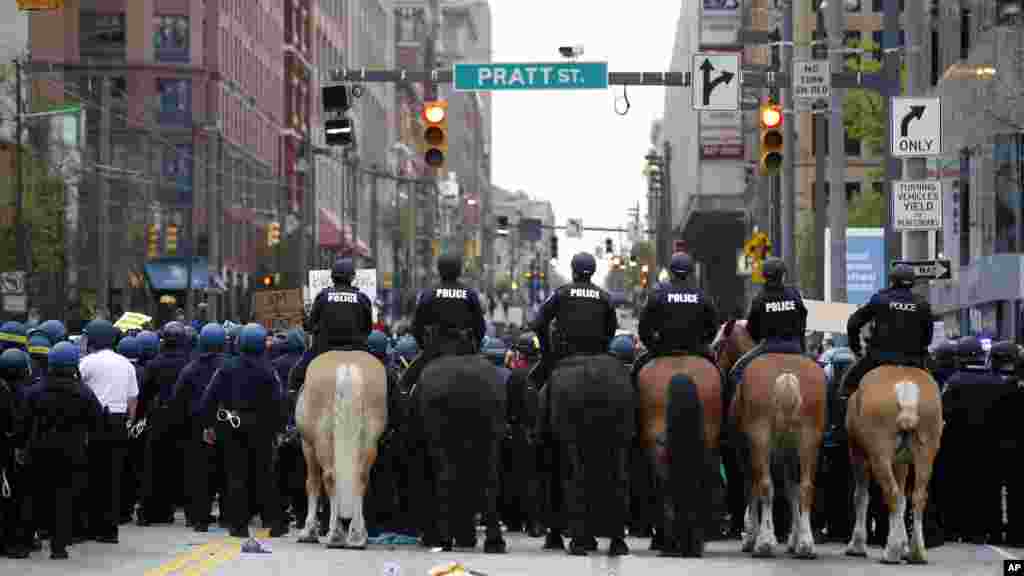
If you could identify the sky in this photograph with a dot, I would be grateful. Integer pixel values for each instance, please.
(570, 147)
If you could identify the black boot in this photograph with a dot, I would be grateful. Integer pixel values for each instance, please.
(578, 547)
(618, 547)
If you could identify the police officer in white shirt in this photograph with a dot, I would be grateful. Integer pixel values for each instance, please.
(112, 378)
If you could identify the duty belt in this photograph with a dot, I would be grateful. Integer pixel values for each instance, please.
(229, 416)
(136, 430)
(5, 486)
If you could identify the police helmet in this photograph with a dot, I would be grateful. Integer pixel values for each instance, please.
(494, 350)
(173, 334)
(296, 341)
(99, 334)
(14, 361)
(377, 343)
(407, 347)
(129, 347)
(212, 338)
(583, 267)
(149, 344)
(344, 270)
(774, 271)
(901, 276)
(64, 355)
(969, 348)
(1002, 357)
(13, 333)
(681, 265)
(38, 344)
(623, 347)
(54, 330)
(253, 339)
(528, 344)
(449, 267)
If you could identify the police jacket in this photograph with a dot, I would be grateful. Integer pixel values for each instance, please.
(903, 323)
(449, 309)
(341, 316)
(283, 365)
(972, 394)
(60, 417)
(778, 313)
(682, 317)
(8, 420)
(192, 383)
(161, 375)
(248, 386)
(585, 316)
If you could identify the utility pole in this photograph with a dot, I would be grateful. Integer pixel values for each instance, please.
(837, 218)
(665, 251)
(819, 51)
(915, 244)
(374, 222)
(24, 261)
(788, 203)
(103, 187)
(430, 58)
(890, 88)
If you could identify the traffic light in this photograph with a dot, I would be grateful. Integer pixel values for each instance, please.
(554, 247)
(268, 280)
(771, 139)
(608, 248)
(435, 133)
(153, 241)
(273, 234)
(338, 132)
(172, 239)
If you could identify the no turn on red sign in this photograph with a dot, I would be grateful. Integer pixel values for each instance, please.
(917, 205)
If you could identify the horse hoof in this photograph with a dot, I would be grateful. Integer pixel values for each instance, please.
(917, 557)
(893, 555)
(354, 546)
(577, 548)
(336, 545)
(495, 546)
(764, 550)
(805, 551)
(748, 546)
(308, 539)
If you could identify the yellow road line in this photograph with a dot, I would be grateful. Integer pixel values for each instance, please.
(204, 558)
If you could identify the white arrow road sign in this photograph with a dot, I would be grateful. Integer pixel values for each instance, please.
(930, 269)
(916, 127)
(716, 81)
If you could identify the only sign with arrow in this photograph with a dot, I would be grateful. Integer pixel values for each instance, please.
(716, 83)
(916, 127)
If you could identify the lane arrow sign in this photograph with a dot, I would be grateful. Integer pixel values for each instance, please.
(916, 112)
(709, 84)
(930, 269)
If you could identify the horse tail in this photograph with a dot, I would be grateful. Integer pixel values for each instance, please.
(685, 448)
(350, 427)
(907, 396)
(788, 400)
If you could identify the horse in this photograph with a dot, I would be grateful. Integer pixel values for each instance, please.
(589, 408)
(680, 412)
(459, 405)
(780, 407)
(341, 412)
(894, 419)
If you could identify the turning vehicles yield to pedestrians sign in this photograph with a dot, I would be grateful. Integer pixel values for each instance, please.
(916, 127)
(917, 205)
(716, 82)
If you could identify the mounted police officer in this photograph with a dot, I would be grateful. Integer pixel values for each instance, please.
(902, 331)
(776, 322)
(112, 378)
(341, 318)
(161, 484)
(188, 392)
(677, 318)
(246, 400)
(448, 319)
(59, 420)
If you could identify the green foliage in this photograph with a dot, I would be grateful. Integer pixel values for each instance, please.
(865, 210)
(864, 110)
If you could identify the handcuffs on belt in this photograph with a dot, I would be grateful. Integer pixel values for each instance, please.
(135, 430)
(5, 486)
(229, 416)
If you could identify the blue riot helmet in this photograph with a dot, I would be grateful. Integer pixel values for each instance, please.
(253, 340)
(774, 271)
(901, 276)
(583, 267)
(449, 267)
(377, 343)
(149, 344)
(970, 351)
(63, 359)
(99, 334)
(129, 347)
(173, 334)
(407, 348)
(1002, 357)
(494, 350)
(14, 364)
(343, 271)
(623, 347)
(681, 265)
(296, 341)
(39, 345)
(12, 335)
(54, 330)
(212, 338)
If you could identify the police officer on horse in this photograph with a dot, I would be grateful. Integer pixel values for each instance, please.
(341, 318)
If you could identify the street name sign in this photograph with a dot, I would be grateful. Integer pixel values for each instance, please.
(917, 205)
(716, 81)
(916, 127)
(929, 269)
(812, 82)
(530, 76)
(574, 228)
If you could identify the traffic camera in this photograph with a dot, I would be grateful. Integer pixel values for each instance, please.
(172, 239)
(338, 132)
(435, 133)
(771, 139)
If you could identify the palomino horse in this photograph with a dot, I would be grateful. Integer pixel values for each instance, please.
(896, 412)
(680, 415)
(780, 405)
(341, 413)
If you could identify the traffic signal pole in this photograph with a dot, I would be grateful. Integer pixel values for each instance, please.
(788, 196)
(837, 209)
(915, 244)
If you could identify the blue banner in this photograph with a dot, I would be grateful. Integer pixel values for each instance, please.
(865, 263)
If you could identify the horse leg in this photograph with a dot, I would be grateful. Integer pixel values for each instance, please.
(752, 515)
(335, 538)
(311, 529)
(357, 537)
(858, 545)
(494, 542)
(892, 478)
(810, 439)
(924, 459)
(760, 451)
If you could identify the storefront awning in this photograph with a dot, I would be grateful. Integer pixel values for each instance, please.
(171, 274)
(338, 236)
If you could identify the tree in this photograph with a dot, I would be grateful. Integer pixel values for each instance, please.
(863, 109)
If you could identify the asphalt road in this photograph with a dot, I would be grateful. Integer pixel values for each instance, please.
(174, 550)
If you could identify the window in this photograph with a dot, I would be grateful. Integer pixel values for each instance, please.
(101, 34)
(177, 170)
(879, 39)
(965, 33)
(853, 147)
(175, 101)
(879, 5)
(170, 38)
(1008, 156)
(852, 191)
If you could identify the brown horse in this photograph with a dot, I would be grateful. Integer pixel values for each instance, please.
(660, 401)
(896, 413)
(341, 413)
(779, 405)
